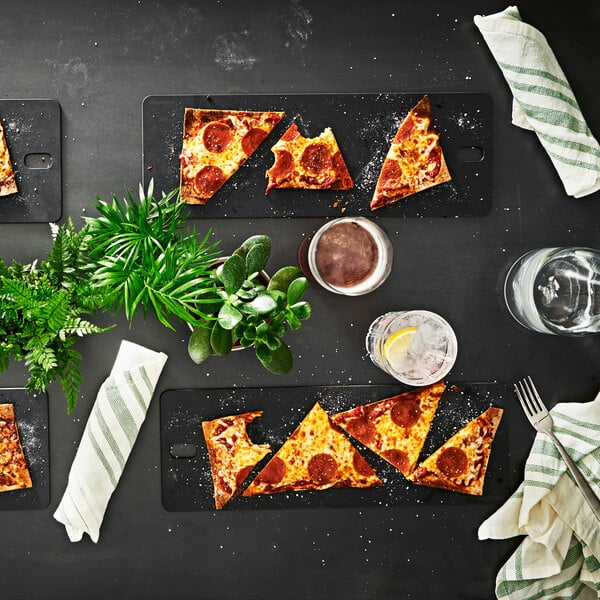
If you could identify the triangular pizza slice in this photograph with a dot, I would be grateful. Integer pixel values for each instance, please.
(14, 472)
(395, 428)
(216, 143)
(8, 183)
(231, 453)
(414, 161)
(461, 462)
(308, 163)
(316, 456)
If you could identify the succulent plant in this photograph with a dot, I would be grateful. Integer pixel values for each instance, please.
(248, 309)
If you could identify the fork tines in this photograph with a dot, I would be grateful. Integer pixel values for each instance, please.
(528, 396)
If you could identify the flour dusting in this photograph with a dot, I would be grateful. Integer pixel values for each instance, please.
(232, 51)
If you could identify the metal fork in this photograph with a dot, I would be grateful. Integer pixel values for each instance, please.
(541, 420)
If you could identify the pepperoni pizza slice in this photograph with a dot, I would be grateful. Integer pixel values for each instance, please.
(316, 456)
(308, 163)
(461, 462)
(216, 143)
(8, 183)
(394, 428)
(414, 161)
(231, 454)
(14, 472)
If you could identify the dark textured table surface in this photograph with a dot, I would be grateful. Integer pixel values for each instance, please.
(99, 60)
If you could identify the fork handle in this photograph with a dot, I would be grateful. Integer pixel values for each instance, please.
(581, 481)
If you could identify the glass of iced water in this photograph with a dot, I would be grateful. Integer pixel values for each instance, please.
(556, 290)
(417, 347)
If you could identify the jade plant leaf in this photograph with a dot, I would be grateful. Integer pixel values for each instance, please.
(229, 316)
(221, 340)
(279, 361)
(297, 289)
(199, 347)
(261, 305)
(233, 273)
(257, 258)
(281, 279)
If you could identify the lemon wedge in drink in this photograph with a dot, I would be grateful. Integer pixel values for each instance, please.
(396, 345)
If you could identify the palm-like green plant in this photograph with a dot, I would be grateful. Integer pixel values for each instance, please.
(142, 258)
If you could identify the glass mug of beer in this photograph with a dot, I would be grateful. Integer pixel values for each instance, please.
(351, 256)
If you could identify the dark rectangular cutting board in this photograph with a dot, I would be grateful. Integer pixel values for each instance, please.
(31, 412)
(363, 124)
(187, 482)
(33, 134)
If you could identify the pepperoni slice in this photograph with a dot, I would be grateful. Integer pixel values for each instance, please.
(405, 131)
(406, 412)
(291, 134)
(452, 462)
(208, 180)
(361, 466)
(398, 458)
(273, 472)
(322, 468)
(253, 139)
(284, 165)
(362, 429)
(241, 476)
(343, 180)
(390, 173)
(216, 137)
(316, 158)
(434, 162)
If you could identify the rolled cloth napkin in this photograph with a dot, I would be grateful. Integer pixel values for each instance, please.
(543, 100)
(559, 556)
(108, 438)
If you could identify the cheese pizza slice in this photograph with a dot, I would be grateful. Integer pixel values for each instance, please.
(394, 428)
(8, 183)
(216, 143)
(316, 456)
(14, 471)
(308, 163)
(461, 462)
(414, 161)
(231, 454)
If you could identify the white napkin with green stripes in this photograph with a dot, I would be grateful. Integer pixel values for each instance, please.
(108, 438)
(543, 100)
(560, 554)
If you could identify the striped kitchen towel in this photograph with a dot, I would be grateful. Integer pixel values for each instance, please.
(108, 438)
(543, 100)
(559, 556)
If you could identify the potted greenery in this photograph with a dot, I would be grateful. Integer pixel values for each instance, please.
(142, 257)
(247, 310)
(42, 310)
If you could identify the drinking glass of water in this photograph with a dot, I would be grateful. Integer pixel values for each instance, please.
(556, 290)
(417, 347)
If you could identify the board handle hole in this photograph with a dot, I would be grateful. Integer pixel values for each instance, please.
(183, 450)
(39, 160)
(469, 154)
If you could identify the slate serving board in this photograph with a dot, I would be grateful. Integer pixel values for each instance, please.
(363, 124)
(33, 134)
(187, 482)
(31, 411)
